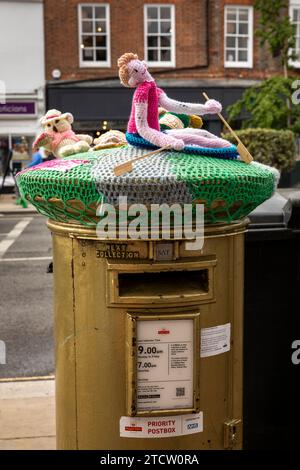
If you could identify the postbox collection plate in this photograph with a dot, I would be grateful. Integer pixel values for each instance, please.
(163, 363)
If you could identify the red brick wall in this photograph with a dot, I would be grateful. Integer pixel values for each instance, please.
(127, 34)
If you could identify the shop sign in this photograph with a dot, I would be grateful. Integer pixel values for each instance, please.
(17, 108)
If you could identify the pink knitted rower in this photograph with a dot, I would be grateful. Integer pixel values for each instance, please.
(146, 92)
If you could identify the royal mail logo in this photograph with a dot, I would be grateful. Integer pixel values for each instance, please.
(163, 332)
(134, 428)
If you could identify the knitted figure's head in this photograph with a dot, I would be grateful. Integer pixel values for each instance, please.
(132, 71)
(55, 121)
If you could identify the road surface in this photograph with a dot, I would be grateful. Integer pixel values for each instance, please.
(26, 318)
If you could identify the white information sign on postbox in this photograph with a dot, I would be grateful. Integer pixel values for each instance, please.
(165, 364)
(215, 340)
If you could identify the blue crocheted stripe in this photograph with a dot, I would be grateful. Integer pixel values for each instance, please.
(227, 152)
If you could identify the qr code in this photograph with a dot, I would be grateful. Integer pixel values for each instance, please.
(180, 392)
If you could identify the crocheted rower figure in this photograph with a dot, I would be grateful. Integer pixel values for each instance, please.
(58, 136)
(144, 120)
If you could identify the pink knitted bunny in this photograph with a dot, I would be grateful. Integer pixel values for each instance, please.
(146, 101)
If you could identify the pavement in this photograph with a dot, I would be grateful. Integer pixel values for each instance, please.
(27, 415)
(8, 205)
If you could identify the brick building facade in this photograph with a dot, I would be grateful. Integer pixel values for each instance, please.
(190, 45)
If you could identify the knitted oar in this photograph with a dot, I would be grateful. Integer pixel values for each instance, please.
(244, 153)
(126, 167)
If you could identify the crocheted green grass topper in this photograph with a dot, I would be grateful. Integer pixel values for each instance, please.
(71, 189)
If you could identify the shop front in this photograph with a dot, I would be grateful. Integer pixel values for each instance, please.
(19, 125)
(98, 106)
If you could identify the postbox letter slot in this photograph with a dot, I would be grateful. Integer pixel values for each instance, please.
(161, 284)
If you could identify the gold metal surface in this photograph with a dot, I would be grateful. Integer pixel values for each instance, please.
(90, 334)
(131, 343)
(80, 231)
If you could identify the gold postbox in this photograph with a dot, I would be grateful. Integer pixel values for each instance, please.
(108, 295)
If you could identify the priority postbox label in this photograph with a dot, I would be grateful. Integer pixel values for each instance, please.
(168, 426)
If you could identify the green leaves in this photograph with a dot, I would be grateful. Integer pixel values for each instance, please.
(268, 105)
(266, 110)
(276, 29)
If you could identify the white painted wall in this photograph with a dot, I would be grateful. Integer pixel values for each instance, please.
(22, 45)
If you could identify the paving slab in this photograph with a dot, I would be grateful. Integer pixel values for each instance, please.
(27, 415)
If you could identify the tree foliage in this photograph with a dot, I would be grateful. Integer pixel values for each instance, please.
(265, 106)
(276, 29)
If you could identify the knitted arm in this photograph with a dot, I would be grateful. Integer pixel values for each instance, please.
(210, 107)
(43, 140)
(155, 137)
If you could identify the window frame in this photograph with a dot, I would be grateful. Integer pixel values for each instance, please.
(172, 62)
(235, 64)
(294, 4)
(94, 64)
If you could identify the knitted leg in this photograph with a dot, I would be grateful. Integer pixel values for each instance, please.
(81, 146)
(199, 137)
(160, 139)
(65, 151)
